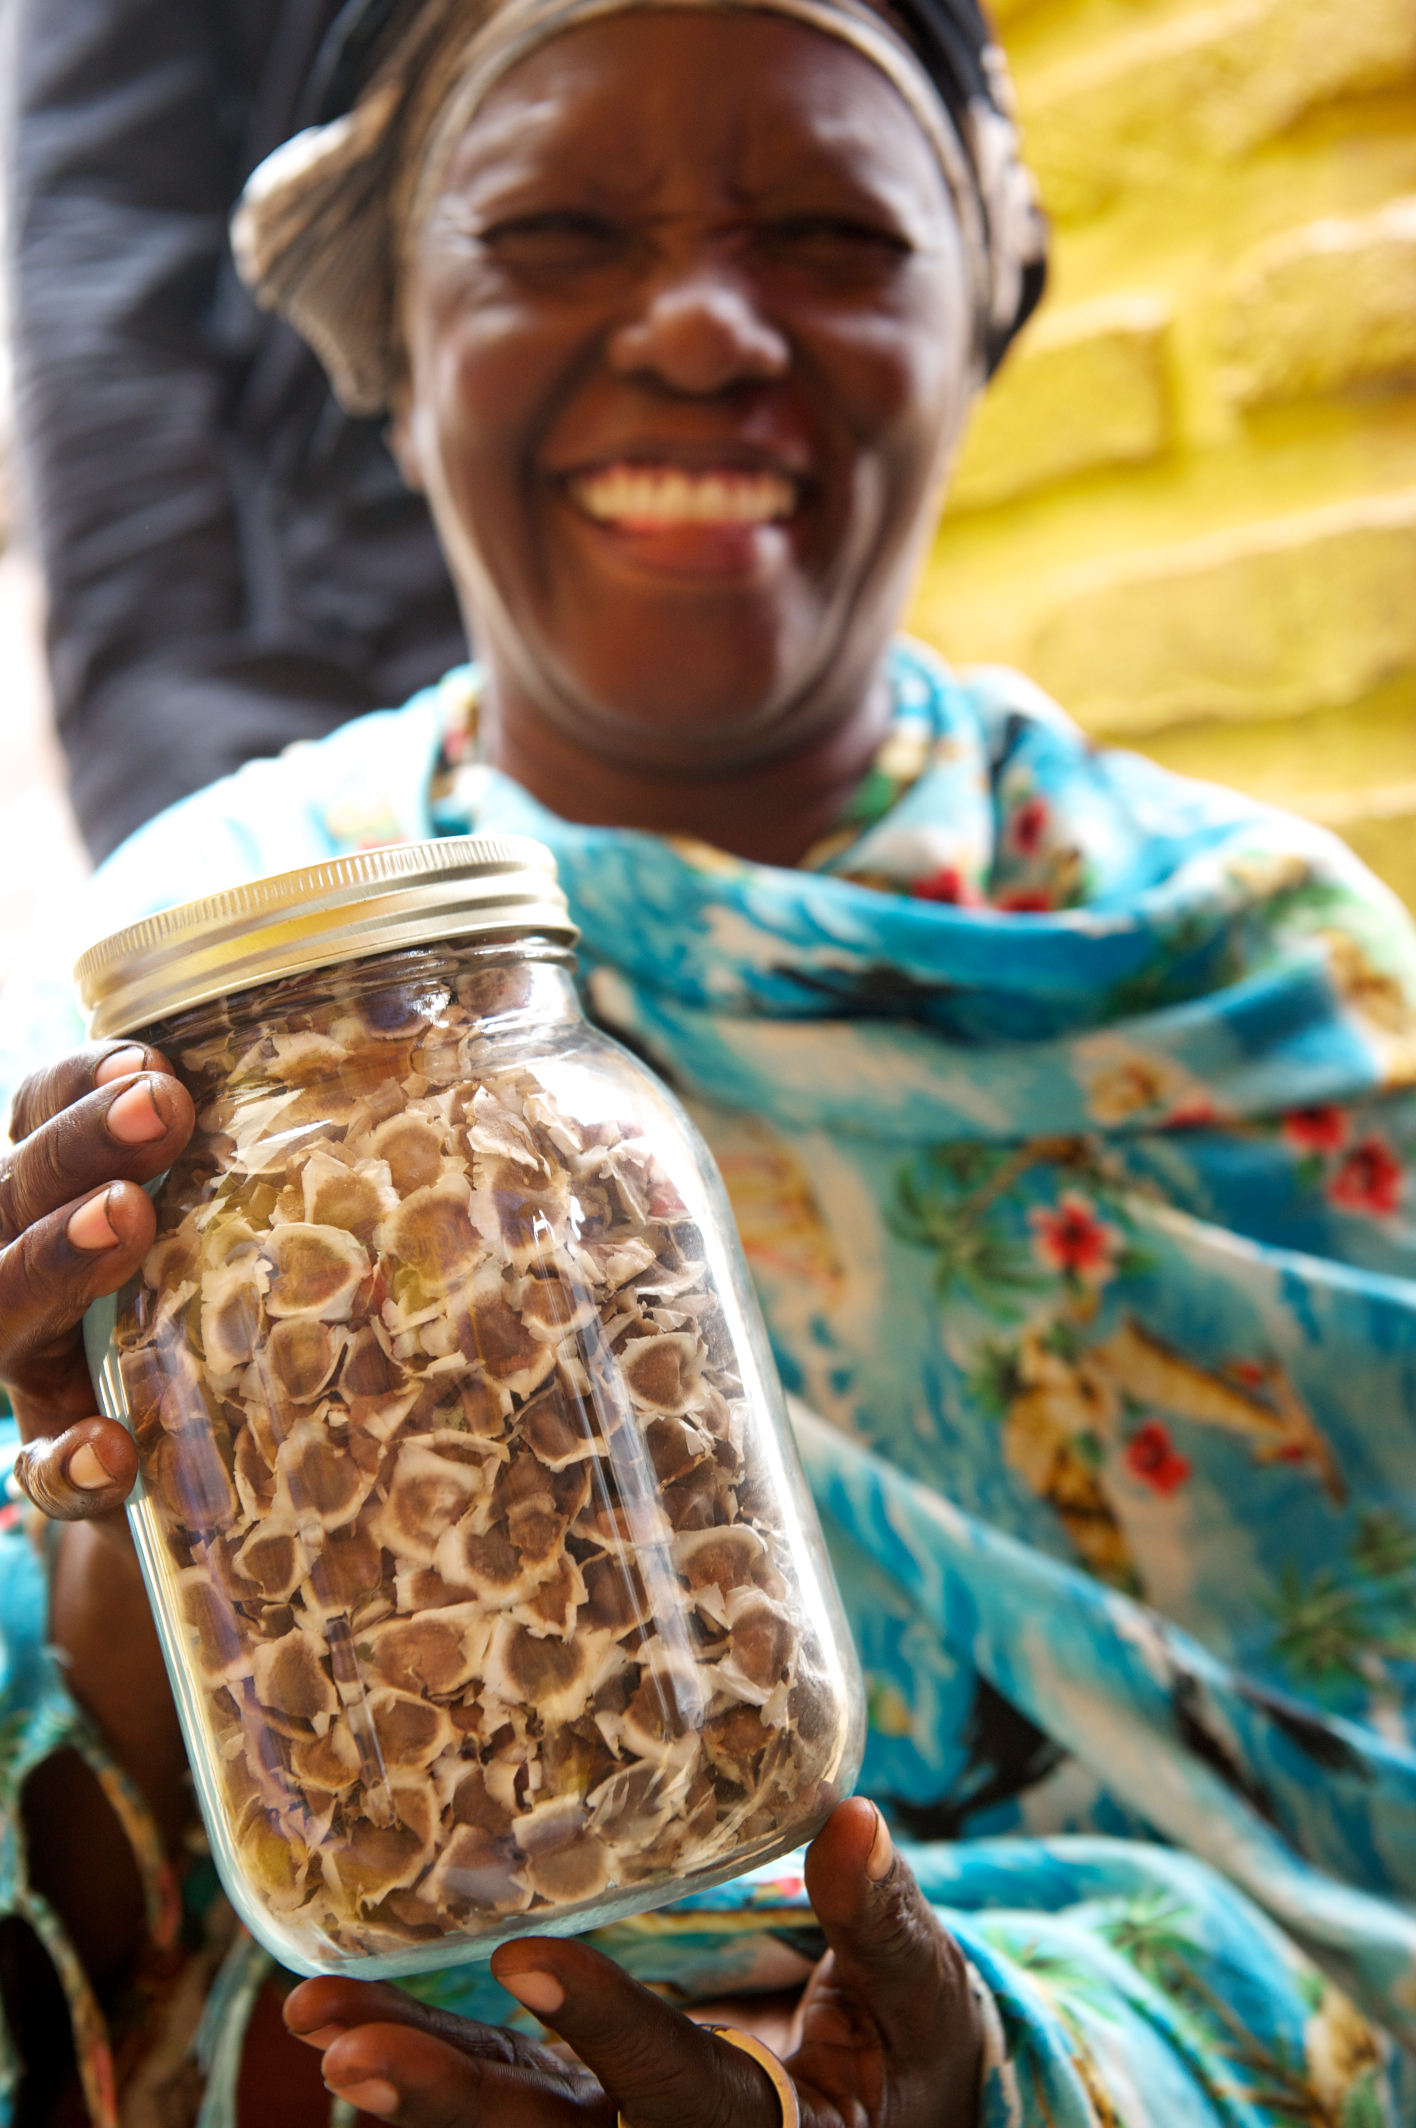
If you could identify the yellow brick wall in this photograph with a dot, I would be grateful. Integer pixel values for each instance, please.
(1188, 506)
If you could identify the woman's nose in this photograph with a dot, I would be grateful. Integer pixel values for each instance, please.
(698, 338)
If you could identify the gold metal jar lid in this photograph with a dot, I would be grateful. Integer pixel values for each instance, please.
(377, 901)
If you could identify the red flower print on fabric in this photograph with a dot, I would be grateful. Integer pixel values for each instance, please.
(1073, 1238)
(948, 884)
(1191, 1114)
(1025, 901)
(1152, 1457)
(1316, 1130)
(1368, 1180)
(1028, 826)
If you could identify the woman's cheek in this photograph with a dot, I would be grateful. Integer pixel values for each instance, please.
(888, 370)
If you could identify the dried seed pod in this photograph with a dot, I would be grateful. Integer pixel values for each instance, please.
(489, 1331)
(254, 1476)
(411, 1147)
(609, 1263)
(615, 1594)
(344, 1570)
(304, 1354)
(354, 1198)
(319, 1480)
(277, 1865)
(664, 1372)
(369, 1372)
(429, 1493)
(436, 1653)
(211, 1620)
(329, 1762)
(631, 1808)
(476, 1874)
(555, 1677)
(272, 1562)
(670, 1705)
(232, 1318)
(320, 1271)
(186, 1476)
(762, 1648)
(721, 1560)
(553, 1307)
(553, 1604)
(373, 1860)
(675, 1448)
(293, 1683)
(431, 1234)
(487, 1563)
(565, 1862)
(563, 1430)
(411, 1731)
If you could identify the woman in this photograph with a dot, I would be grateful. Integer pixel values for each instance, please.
(1056, 1097)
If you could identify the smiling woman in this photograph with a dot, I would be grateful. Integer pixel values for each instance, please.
(1008, 1050)
(681, 396)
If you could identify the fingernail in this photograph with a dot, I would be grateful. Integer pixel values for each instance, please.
(85, 1469)
(120, 1065)
(90, 1227)
(133, 1118)
(374, 2096)
(323, 2036)
(881, 1859)
(540, 1992)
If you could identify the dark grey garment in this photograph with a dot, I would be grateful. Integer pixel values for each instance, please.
(231, 561)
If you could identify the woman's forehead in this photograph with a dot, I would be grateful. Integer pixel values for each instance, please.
(628, 103)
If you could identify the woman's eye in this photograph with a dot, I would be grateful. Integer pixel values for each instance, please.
(553, 241)
(834, 245)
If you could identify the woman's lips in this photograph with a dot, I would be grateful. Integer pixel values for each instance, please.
(667, 498)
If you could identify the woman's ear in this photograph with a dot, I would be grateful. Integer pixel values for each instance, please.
(399, 437)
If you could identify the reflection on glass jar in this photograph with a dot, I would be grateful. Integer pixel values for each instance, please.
(484, 1565)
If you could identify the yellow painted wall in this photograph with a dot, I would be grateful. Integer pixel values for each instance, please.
(1188, 505)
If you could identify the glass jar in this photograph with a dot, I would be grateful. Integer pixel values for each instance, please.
(489, 1586)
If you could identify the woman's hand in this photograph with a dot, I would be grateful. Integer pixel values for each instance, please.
(74, 1225)
(886, 2031)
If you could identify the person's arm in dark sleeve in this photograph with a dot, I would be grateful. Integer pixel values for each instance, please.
(230, 563)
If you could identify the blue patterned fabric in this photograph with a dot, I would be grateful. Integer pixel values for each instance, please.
(1062, 1107)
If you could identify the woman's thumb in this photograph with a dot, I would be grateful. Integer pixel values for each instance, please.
(893, 1962)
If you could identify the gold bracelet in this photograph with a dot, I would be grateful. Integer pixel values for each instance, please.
(765, 2059)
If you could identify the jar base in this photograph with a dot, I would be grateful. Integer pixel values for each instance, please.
(576, 1920)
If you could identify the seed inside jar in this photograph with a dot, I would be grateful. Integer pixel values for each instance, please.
(478, 1564)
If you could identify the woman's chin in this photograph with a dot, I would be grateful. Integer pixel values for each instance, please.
(692, 694)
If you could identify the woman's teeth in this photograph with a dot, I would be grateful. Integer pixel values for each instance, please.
(668, 495)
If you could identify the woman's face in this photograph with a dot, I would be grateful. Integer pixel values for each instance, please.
(689, 346)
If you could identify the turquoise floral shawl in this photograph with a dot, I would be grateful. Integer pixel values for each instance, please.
(1062, 1106)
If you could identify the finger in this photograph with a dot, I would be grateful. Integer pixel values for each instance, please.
(321, 2011)
(659, 2068)
(50, 1275)
(426, 2069)
(84, 1472)
(399, 2072)
(895, 1978)
(61, 1084)
(131, 1129)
